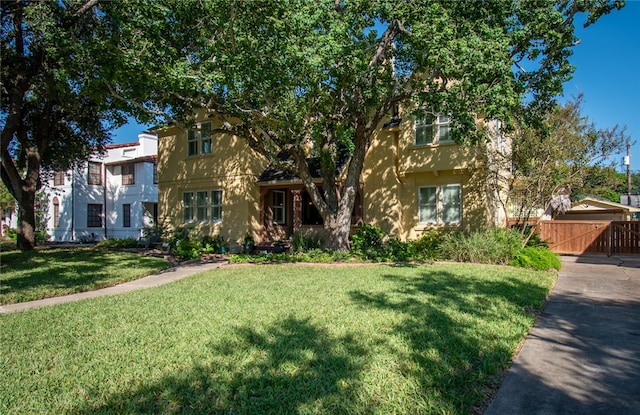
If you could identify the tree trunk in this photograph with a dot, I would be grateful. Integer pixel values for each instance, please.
(338, 230)
(26, 236)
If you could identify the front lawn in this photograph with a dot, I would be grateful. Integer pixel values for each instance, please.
(276, 339)
(43, 273)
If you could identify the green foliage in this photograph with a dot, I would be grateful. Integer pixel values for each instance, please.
(213, 244)
(304, 241)
(12, 234)
(567, 153)
(487, 246)
(428, 246)
(41, 236)
(187, 249)
(300, 75)
(538, 258)
(370, 243)
(117, 243)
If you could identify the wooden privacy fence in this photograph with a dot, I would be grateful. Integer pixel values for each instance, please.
(579, 236)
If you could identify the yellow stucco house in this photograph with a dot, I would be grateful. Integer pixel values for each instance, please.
(415, 178)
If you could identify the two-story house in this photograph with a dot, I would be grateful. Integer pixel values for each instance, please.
(114, 195)
(415, 178)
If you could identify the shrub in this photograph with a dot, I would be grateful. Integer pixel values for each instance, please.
(306, 241)
(213, 244)
(487, 246)
(368, 242)
(41, 236)
(118, 243)
(187, 249)
(538, 258)
(428, 246)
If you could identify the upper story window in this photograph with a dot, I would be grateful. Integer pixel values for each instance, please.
(128, 174)
(432, 128)
(95, 174)
(58, 178)
(199, 141)
(440, 204)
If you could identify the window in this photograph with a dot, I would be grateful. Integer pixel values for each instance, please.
(205, 207)
(128, 174)
(432, 128)
(451, 204)
(199, 141)
(56, 212)
(428, 204)
(202, 206)
(126, 215)
(155, 173)
(440, 204)
(279, 211)
(216, 205)
(94, 215)
(58, 178)
(187, 207)
(95, 174)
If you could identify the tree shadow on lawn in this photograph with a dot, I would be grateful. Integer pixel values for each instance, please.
(289, 367)
(63, 271)
(458, 364)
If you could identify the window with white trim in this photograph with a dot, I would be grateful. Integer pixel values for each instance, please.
(202, 206)
(440, 204)
(126, 215)
(95, 174)
(199, 140)
(279, 207)
(432, 128)
(94, 215)
(56, 212)
(127, 171)
(187, 207)
(58, 178)
(216, 205)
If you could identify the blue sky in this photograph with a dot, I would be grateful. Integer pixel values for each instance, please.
(608, 74)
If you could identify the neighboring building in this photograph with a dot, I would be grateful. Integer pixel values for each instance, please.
(415, 178)
(8, 219)
(598, 210)
(114, 195)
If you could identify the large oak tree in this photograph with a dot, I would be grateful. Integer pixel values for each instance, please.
(55, 110)
(313, 80)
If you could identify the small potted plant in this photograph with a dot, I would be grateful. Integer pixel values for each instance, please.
(248, 244)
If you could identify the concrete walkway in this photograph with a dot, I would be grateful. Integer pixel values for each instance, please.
(583, 355)
(168, 275)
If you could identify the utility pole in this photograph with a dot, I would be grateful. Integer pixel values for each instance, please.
(627, 161)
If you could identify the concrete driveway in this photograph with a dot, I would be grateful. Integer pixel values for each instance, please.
(583, 355)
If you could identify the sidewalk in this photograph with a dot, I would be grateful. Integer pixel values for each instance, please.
(166, 276)
(583, 355)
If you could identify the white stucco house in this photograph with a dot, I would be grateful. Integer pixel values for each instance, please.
(114, 195)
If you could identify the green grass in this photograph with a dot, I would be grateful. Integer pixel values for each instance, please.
(276, 339)
(43, 273)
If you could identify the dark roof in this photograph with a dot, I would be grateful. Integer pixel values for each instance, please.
(273, 174)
